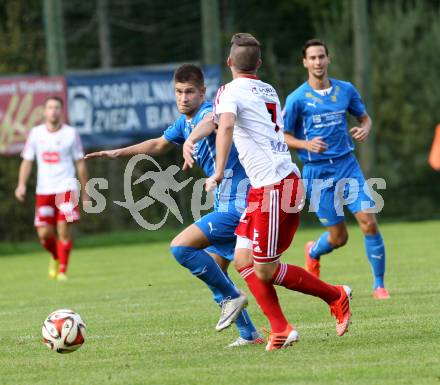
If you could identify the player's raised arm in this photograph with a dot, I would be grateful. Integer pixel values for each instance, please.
(223, 147)
(361, 132)
(23, 176)
(203, 129)
(152, 147)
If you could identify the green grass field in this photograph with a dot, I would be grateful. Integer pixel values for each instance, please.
(150, 322)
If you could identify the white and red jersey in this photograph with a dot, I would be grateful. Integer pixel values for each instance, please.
(55, 153)
(258, 131)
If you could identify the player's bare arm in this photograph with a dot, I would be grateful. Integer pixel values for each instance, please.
(157, 146)
(205, 127)
(361, 132)
(223, 147)
(316, 145)
(83, 176)
(23, 176)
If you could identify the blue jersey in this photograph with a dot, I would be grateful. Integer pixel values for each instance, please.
(230, 195)
(308, 114)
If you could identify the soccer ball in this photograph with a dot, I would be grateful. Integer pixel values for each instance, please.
(64, 331)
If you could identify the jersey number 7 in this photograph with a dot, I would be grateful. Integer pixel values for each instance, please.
(272, 109)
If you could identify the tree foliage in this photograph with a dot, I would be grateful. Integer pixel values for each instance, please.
(21, 37)
(404, 43)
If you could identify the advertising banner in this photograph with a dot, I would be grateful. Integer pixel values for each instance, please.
(21, 107)
(116, 109)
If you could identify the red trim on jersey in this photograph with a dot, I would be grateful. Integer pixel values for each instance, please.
(249, 77)
(216, 101)
(219, 92)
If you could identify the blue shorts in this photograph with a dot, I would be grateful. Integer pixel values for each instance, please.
(327, 197)
(219, 228)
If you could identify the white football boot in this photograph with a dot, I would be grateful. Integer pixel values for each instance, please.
(240, 341)
(231, 308)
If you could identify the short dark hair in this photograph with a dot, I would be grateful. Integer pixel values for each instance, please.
(245, 52)
(311, 43)
(189, 73)
(56, 98)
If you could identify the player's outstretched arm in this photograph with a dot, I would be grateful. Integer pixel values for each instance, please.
(152, 147)
(316, 145)
(204, 128)
(23, 176)
(361, 132)
(223, 146)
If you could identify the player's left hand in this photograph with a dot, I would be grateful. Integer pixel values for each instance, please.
(212, 182)
(360, 133)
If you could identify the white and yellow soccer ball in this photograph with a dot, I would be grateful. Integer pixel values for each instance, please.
(64, 331)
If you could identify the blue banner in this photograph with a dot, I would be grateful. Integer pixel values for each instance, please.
(117, 109)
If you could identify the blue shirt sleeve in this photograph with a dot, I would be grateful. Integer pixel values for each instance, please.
(174, 133)
(356, 107)
(291, 114)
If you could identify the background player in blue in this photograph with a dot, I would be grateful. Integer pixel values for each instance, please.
(315, 125)
(206, 247)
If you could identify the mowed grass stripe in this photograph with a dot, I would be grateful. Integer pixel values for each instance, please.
(150, 322)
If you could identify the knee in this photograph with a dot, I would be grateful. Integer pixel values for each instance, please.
(175, 242)
(242, 258)
(64, 237)
(243, 253)
(369, 227)
(179, 252)
(223, 264)
(263, 275)
(238, 264)
(63, 233)
(182, 253)
(44, 237)
(339, 240)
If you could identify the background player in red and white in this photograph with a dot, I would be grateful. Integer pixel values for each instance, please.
(248, 113)
(57, 149)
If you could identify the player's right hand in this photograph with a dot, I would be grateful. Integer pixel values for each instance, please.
(20, 193)
(316, 145)
(187, 152)
(111, 154)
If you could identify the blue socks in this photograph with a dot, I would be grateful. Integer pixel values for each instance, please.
(375, 250)
(321, 247)
(203, 266)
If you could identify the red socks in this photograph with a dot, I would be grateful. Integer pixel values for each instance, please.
(50, 245)
(64, 248)
(291, 277)
(296, 278)
(59, 249)
(266, 297)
